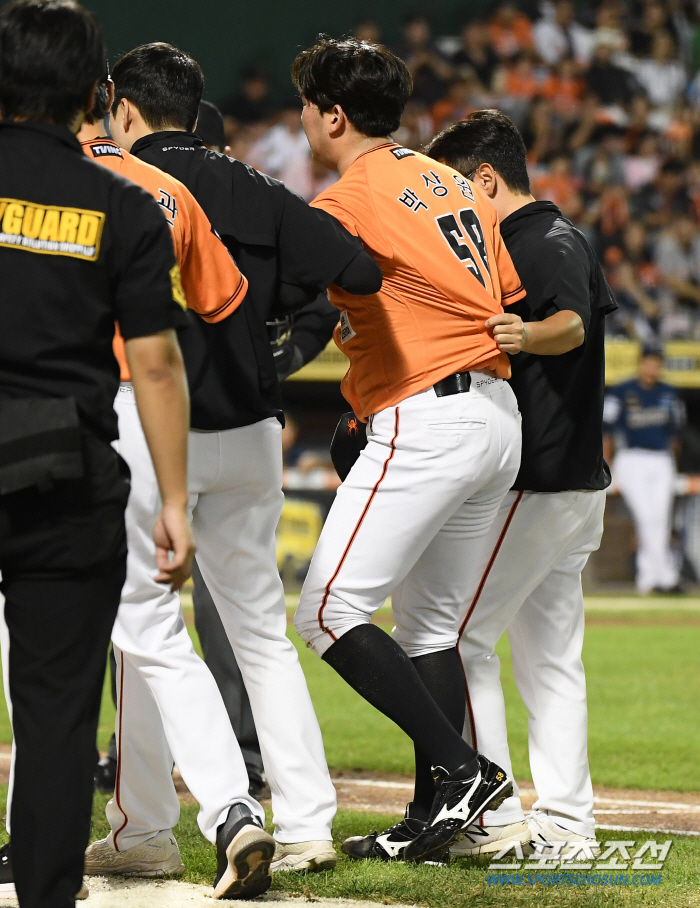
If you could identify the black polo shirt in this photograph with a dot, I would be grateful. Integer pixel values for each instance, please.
(275, 238)
(80, 248)
(560, 397)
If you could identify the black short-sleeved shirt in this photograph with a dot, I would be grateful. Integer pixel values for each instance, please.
(275, 238)
(560, 397)
(80, 248)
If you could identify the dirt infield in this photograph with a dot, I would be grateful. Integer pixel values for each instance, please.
(614, 808)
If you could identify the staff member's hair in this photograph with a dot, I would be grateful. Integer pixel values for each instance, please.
(371, 84)
(51, 55)
(484, 137)
(164, 83)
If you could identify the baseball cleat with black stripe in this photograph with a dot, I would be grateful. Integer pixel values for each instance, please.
(385, 846)
(460, 798)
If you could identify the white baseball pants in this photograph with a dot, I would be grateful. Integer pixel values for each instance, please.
(645, 479)
(169, 708)
(527, 580)
(235, 497)
(414, 511)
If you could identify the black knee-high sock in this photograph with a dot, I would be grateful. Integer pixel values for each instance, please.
(381, 672)
(443, 677)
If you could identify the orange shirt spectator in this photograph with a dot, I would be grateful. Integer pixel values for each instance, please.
(557, 185)
(510, 31)
(521, 80)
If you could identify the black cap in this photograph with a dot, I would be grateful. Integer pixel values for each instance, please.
(653, 349)
(210, 125)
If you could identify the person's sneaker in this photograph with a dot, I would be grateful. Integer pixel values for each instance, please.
(460, 797)
(388, 845)
(7, 880)
(106, 775)
(244, 852)
(311, 856)
(156, 857)
(489, 839)
(546, 836)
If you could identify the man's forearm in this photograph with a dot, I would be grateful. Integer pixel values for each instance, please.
(557, 334)
(160, 385)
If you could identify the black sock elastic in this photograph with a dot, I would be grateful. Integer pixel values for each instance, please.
(381, 672)
(443, 677)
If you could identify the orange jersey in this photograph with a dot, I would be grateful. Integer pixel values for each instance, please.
(445, 272)
(212, 284)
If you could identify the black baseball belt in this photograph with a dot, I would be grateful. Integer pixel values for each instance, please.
(457, 383)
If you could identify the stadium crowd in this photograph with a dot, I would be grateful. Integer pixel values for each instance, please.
(607, 97)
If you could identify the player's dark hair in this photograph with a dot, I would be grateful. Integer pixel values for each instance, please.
(51, 55)
(371, 84)
(164, 83)
(484, 137)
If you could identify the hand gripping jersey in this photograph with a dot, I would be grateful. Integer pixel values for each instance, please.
(445, 269)
(212, 286)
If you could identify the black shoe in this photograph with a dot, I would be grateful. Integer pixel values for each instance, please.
(106, 775)
(460, 798)
(7, 880)
(385, 846)
(243, 854)
(676, 590)
(258, 788)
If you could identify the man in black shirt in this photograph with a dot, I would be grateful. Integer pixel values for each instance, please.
(529, 580)
(80, 248)
(289, 254)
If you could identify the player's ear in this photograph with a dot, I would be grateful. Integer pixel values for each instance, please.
(337, 121)
(488, 179)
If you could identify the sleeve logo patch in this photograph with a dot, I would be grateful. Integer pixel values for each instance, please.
(176, 284)
(101, 151)
(346, 330)
(51, 229)
(399, 153)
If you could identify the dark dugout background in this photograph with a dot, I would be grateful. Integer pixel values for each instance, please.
(224, 35)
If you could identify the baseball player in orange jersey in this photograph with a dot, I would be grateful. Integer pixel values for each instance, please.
(443, 425)
(174, 701)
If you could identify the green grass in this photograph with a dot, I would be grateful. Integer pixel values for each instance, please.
(463, 883)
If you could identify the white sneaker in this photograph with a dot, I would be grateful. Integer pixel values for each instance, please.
(304, 856)
(546, 834)
(489, 839)
(156, 857)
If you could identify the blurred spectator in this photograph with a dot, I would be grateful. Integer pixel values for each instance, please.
(431, 73)
(476, 53)
(463, 96)
(416, 128)
(678, 261)
(250, 104)
(280, 148)
(667, 197)
(661, 76)
(510, 31)
(641, 36)
(304, 467)
(641, 168)
(558, 36)
(556, 184)
(611, 84)
(367, 30)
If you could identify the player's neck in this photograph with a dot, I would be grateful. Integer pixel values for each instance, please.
(90, 131)
(506, 203)
(356, 146)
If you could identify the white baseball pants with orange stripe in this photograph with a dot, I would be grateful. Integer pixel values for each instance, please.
(169, 707)
(414, 510)
(528, 581)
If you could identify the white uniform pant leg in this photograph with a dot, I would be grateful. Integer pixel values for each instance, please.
(546, 638)
(162, 678)
(428, 483)
(645, 479)
(5, 650)
(234, 527)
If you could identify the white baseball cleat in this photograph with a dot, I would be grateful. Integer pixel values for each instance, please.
(548, 836)
(313, 856)
(490, 839)
(156, 857)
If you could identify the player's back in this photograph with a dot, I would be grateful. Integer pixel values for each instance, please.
(445, 272)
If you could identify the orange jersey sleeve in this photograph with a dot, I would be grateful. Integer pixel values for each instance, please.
(211, 281)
